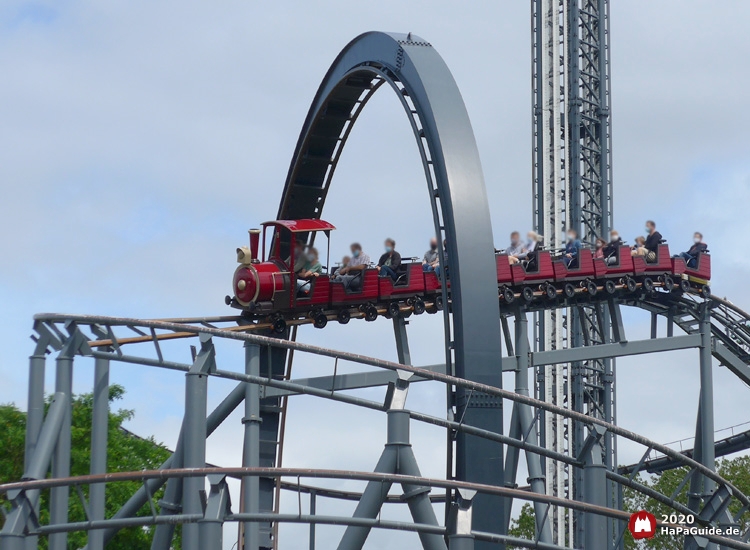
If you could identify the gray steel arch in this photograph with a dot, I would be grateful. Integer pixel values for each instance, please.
(460, 211)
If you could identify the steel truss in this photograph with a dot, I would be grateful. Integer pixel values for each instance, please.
(100, 339)
(572, 189)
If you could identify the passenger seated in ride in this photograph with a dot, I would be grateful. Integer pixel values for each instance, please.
(699, 247)
(431, 258)
(344, 262)
(612, 248)
(351, 275)
(311, 268)
(528, 255)
(515, 248)
(599, 249)
(390, 262)
(639, 248)
(652, 242)
(299, 256)
(572, 249)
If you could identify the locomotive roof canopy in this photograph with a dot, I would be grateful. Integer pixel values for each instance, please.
(302, 226)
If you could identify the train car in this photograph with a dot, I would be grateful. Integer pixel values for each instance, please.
(698, 277)
(265, 284)
(658, 272)
(621, 269)
(581, 276)
(535, 278)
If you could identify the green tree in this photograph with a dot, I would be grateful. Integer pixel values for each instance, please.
(524, 526)
(735, 470)
(125, 453)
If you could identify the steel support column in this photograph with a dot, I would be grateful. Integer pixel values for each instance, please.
(25, 503)
(35, 414)
(313, 510)
(211, 527)
(397, 458)
(170, 502)
(194, 451)
(371, 501)
(706, 419)
(99, 433)
(701, 487)
(461, 537)
(58, 512)
(527, 424)
(251, 448)
(594, 490)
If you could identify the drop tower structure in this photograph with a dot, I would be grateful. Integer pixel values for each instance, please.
(572, 189)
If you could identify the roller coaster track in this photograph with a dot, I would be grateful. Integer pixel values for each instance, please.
(730, 326)
(62, 331)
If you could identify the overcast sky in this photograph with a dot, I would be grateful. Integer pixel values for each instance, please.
(139, 141)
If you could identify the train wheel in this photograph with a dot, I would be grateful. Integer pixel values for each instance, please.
(591, 288)
(610, 287)
(508, 295)
(439, 302)
(569, 290)
(394, 310)
(668, 283)
(371, 313)
(684, 285)
(706, 291)
(418, 306)
(343, 316)
(527, 294)
(648, 284)
(550, 291)
(631, 284)
(279, 325)
(320, 320)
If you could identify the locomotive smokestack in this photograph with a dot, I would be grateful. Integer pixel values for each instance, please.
(254, 241)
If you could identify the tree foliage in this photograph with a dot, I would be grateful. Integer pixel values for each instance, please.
(735, 470)
(125, 453)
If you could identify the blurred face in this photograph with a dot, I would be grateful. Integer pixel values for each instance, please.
(571, 236)
(346, 260)
(514, 238)
(389, 245)
(433, 244)
(697, 238)
(614, 235)
(355, 251)
(649, 228)
(531, 237)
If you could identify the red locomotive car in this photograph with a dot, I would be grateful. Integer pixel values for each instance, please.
(265, 286)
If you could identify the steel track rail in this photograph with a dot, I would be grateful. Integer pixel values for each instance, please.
(380, 363)
(313, 473)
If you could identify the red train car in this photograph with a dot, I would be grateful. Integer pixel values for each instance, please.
(266, 285)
